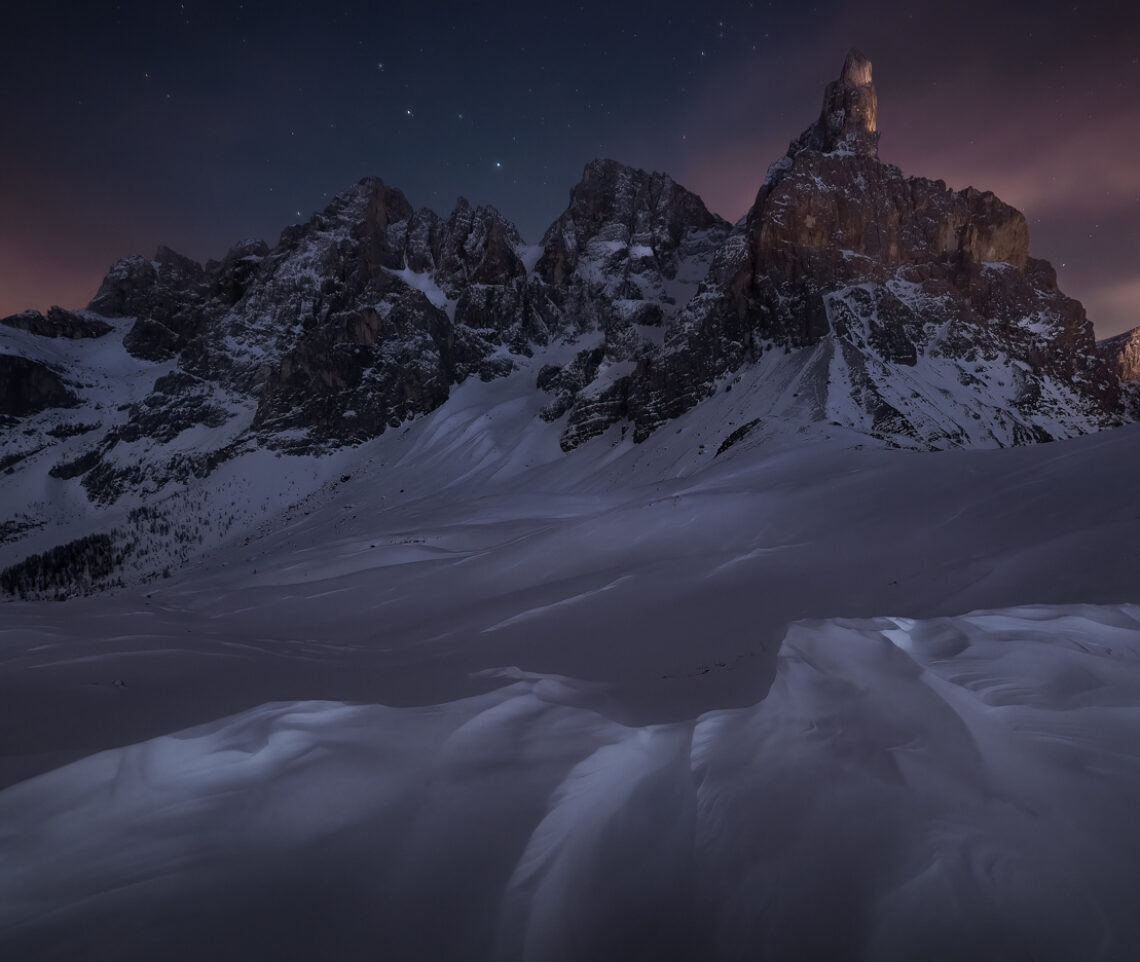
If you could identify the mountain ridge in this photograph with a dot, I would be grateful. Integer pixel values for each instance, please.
(892, 309)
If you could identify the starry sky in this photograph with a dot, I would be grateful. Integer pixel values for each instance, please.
(129, 125)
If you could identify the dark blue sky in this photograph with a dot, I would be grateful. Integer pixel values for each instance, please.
(195, 124)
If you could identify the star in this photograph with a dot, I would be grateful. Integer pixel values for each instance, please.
(498, 163)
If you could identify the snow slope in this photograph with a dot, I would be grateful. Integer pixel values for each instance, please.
(942, 789)
(464, 696)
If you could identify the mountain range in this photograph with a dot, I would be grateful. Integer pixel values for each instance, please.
(849, 297)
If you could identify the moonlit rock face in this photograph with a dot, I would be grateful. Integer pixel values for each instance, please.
(856, 69)
(860, 103)
(849, 119)
(1123, 354)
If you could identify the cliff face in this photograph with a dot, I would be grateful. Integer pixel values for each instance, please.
(1123, 354)
(28, 387)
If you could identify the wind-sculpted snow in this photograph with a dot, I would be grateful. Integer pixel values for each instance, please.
(952, 788)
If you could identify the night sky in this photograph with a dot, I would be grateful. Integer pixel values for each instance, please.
(129, 125)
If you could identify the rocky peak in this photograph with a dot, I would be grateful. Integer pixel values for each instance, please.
(1122, 353)
(848, 122)
(862, 292)
(369, 214)
(176, 268)
(369, 201)
(477, 245)
(850, 268)
(384, 205)
(617, 208)
(831, 201)
(422, 240)
(232, 276)
(857, 73)
(57, 323)
(164, 294)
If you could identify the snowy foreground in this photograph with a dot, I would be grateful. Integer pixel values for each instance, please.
(945, 789)
(807, 700)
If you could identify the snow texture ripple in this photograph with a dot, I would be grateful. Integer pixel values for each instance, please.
(950, 788)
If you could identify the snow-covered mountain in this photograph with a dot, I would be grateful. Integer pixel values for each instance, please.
(849, 297)
(669, 589)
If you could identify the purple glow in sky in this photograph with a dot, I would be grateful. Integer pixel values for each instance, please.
(193, 125)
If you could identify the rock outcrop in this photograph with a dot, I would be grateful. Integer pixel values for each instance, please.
(167, 297)
(622, 260)
(1122, 353)
(848, 122)
(58, 323)
(28, 387)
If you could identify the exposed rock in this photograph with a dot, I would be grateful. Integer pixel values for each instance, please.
(57, 323)
(152, 340)
(66, 470)
(27, 387)
(335, 342)
(842, 248)
(179, 401)
(126, 287)
(622, 259)
(626, 224)
(1122, 353)
(231, 278)
(565, 383)
(848, 122)
(476, 246)
(167, 295)
(375, 370)
(737, 436)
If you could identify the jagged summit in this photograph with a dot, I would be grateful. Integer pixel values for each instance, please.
(629, 209)
(848, 121)
(856, 72)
